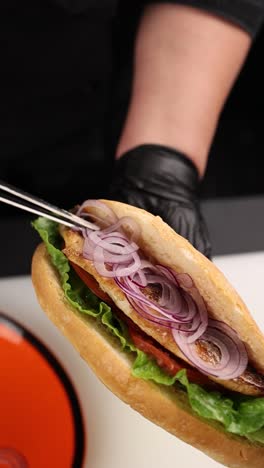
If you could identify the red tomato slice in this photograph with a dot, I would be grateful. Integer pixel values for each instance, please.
(164, 360)
(92, 284)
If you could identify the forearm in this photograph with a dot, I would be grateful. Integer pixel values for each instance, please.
(186, 61)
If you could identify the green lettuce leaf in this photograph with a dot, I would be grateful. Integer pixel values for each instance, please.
(75, 290)
(241, 416)
(147, 369)
(244, 417)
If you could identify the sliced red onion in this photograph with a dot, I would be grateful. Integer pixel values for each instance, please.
(173, 301)
(112, 243)
(168, 272)
(139, 277)
(177, 312)
(110, 247)
(170, 296)
(109, 217)
(121, 268)
(124, 271)
(147, 314)
(112, 259)
(88, 249)
(99, 263)
(129, 225)
(195, 319)
(133, 291)
(233, 355)
(186, 281)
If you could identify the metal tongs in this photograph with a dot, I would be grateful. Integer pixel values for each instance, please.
(23, 200)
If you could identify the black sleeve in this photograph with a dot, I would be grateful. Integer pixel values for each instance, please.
(248, 14)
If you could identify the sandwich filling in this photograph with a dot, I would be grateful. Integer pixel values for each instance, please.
(239, 414)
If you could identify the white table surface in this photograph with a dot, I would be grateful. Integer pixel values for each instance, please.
(118, 437)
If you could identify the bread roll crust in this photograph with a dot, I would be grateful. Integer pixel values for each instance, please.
(167, 408)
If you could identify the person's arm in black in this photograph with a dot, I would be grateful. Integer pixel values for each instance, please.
(185, 63)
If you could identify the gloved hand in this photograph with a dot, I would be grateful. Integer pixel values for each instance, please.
(164, 182)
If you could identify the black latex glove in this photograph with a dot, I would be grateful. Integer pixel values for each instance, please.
(164, 182)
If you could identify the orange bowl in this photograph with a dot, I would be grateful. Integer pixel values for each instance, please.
(41, 424)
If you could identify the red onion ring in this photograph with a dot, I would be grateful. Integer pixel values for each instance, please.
(109, 217)
(234, 359)
(186, 281)
(121, 268)
(113, 244)
(145, 312)
(168, 272)
(124, 224)
(149, 309)
(110, 247)
(132, 291)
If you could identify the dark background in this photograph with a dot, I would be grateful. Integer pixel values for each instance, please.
(66, 74)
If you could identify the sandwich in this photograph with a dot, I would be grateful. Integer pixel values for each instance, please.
(159, 325)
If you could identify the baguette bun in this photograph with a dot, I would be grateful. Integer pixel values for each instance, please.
(166, 407)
